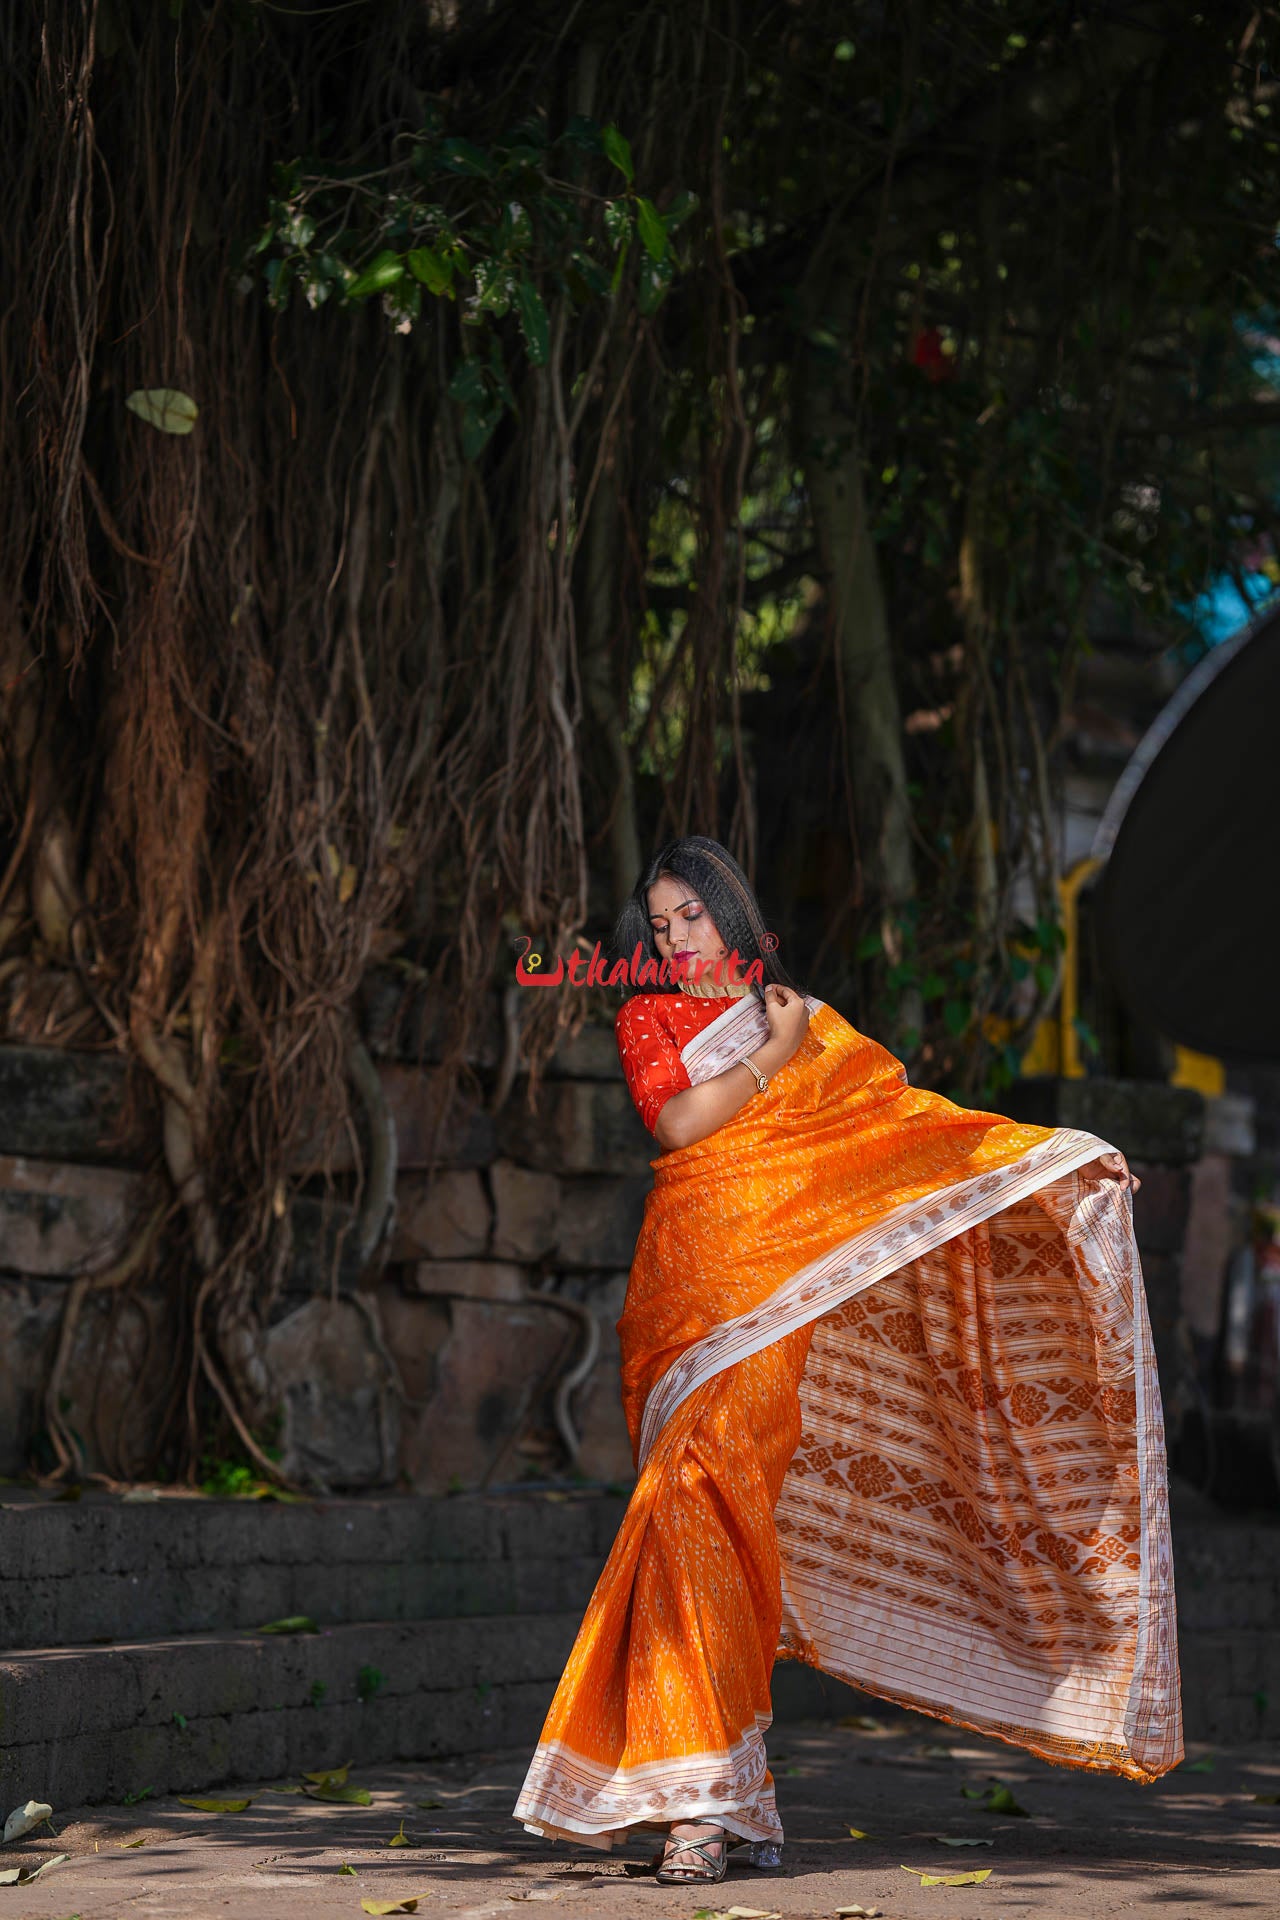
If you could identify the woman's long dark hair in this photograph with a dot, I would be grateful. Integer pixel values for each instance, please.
(710, 871)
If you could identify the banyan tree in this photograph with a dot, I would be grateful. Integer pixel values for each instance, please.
(447, 450)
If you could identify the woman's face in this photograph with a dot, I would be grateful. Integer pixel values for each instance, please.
(681, 924)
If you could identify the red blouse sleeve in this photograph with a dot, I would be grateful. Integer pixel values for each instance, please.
(650, 1059)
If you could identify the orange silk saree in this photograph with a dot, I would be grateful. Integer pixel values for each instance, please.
(888, 1374)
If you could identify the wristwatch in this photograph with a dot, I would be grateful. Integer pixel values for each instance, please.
(762, 1079)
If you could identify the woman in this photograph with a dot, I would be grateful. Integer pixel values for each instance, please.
(888, 1375)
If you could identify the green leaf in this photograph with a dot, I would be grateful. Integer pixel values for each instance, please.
(532, 316)
(617, 222)
(389, 1906)
(383, 272)
(618, 149)
(589, 271)
(655, 279)
(344, 1868)
(166, 408)
(459, 156)
(957, 1840)
(680, 209)
(369, 1680)
(400, 1839)
(330, 1776)
(955, 1016)
(496, 286)
(346, 1796)
(516, 231)
(1001, 1800)
(215, 1806)
(434, 271)
(652, 227)
(293, 1623)
(1200, 1766)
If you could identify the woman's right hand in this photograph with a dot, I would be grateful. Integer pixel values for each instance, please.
(787, 1015)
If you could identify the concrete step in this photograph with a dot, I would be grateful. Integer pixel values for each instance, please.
(99, 1723)
(1230, 1684)
(83, 1724)
(105, 1569)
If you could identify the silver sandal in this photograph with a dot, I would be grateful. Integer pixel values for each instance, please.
(711, 1872)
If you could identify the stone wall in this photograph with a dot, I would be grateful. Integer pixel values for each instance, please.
(437, 1372)
(433, 1374)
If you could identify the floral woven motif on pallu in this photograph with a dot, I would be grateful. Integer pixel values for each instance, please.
(974, 1521)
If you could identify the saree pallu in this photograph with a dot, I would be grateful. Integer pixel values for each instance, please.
(888, 1374)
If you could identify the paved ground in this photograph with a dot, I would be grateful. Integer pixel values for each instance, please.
(1195, 1843)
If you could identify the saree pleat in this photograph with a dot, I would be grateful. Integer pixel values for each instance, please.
(888, 1375)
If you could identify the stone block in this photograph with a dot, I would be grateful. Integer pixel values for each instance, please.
(402, 1021)
(414, 1330)
(526, 1211)
(468, 1279)
(445, 1216)
(30, 1313)
(57, 1105)
(1146, 1119)
(600, 1219)
(415, 1097)
(59, 1219)
(604, 1452)
(340, 1415)
(578, 1126)
(489, 1371)
(323, 1253)
(589, 1055)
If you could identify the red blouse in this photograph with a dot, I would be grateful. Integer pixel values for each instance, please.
(651, 1029)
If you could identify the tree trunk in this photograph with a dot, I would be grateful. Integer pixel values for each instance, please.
(601, 654)
(832, 463)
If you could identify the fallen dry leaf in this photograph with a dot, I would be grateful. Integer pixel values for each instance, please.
(21, 1876)
(856, 1833)
(344, 1796)
(857, 1913)
(956, 1840)
(390, 1906)
(975, 1879)
(932, 1751)
(32, 1814)
(344, 1868)
(215, 1806)
(400, 1839)
(1267, 1799)
(295, 1623)
(865, 1723)
(734, 1913)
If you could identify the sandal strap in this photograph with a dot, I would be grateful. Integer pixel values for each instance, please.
(715, 1867)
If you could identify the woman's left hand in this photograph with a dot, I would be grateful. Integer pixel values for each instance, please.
(1121, 1165)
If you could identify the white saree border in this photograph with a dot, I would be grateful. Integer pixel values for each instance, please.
(569, 1797)
(913, 1229)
